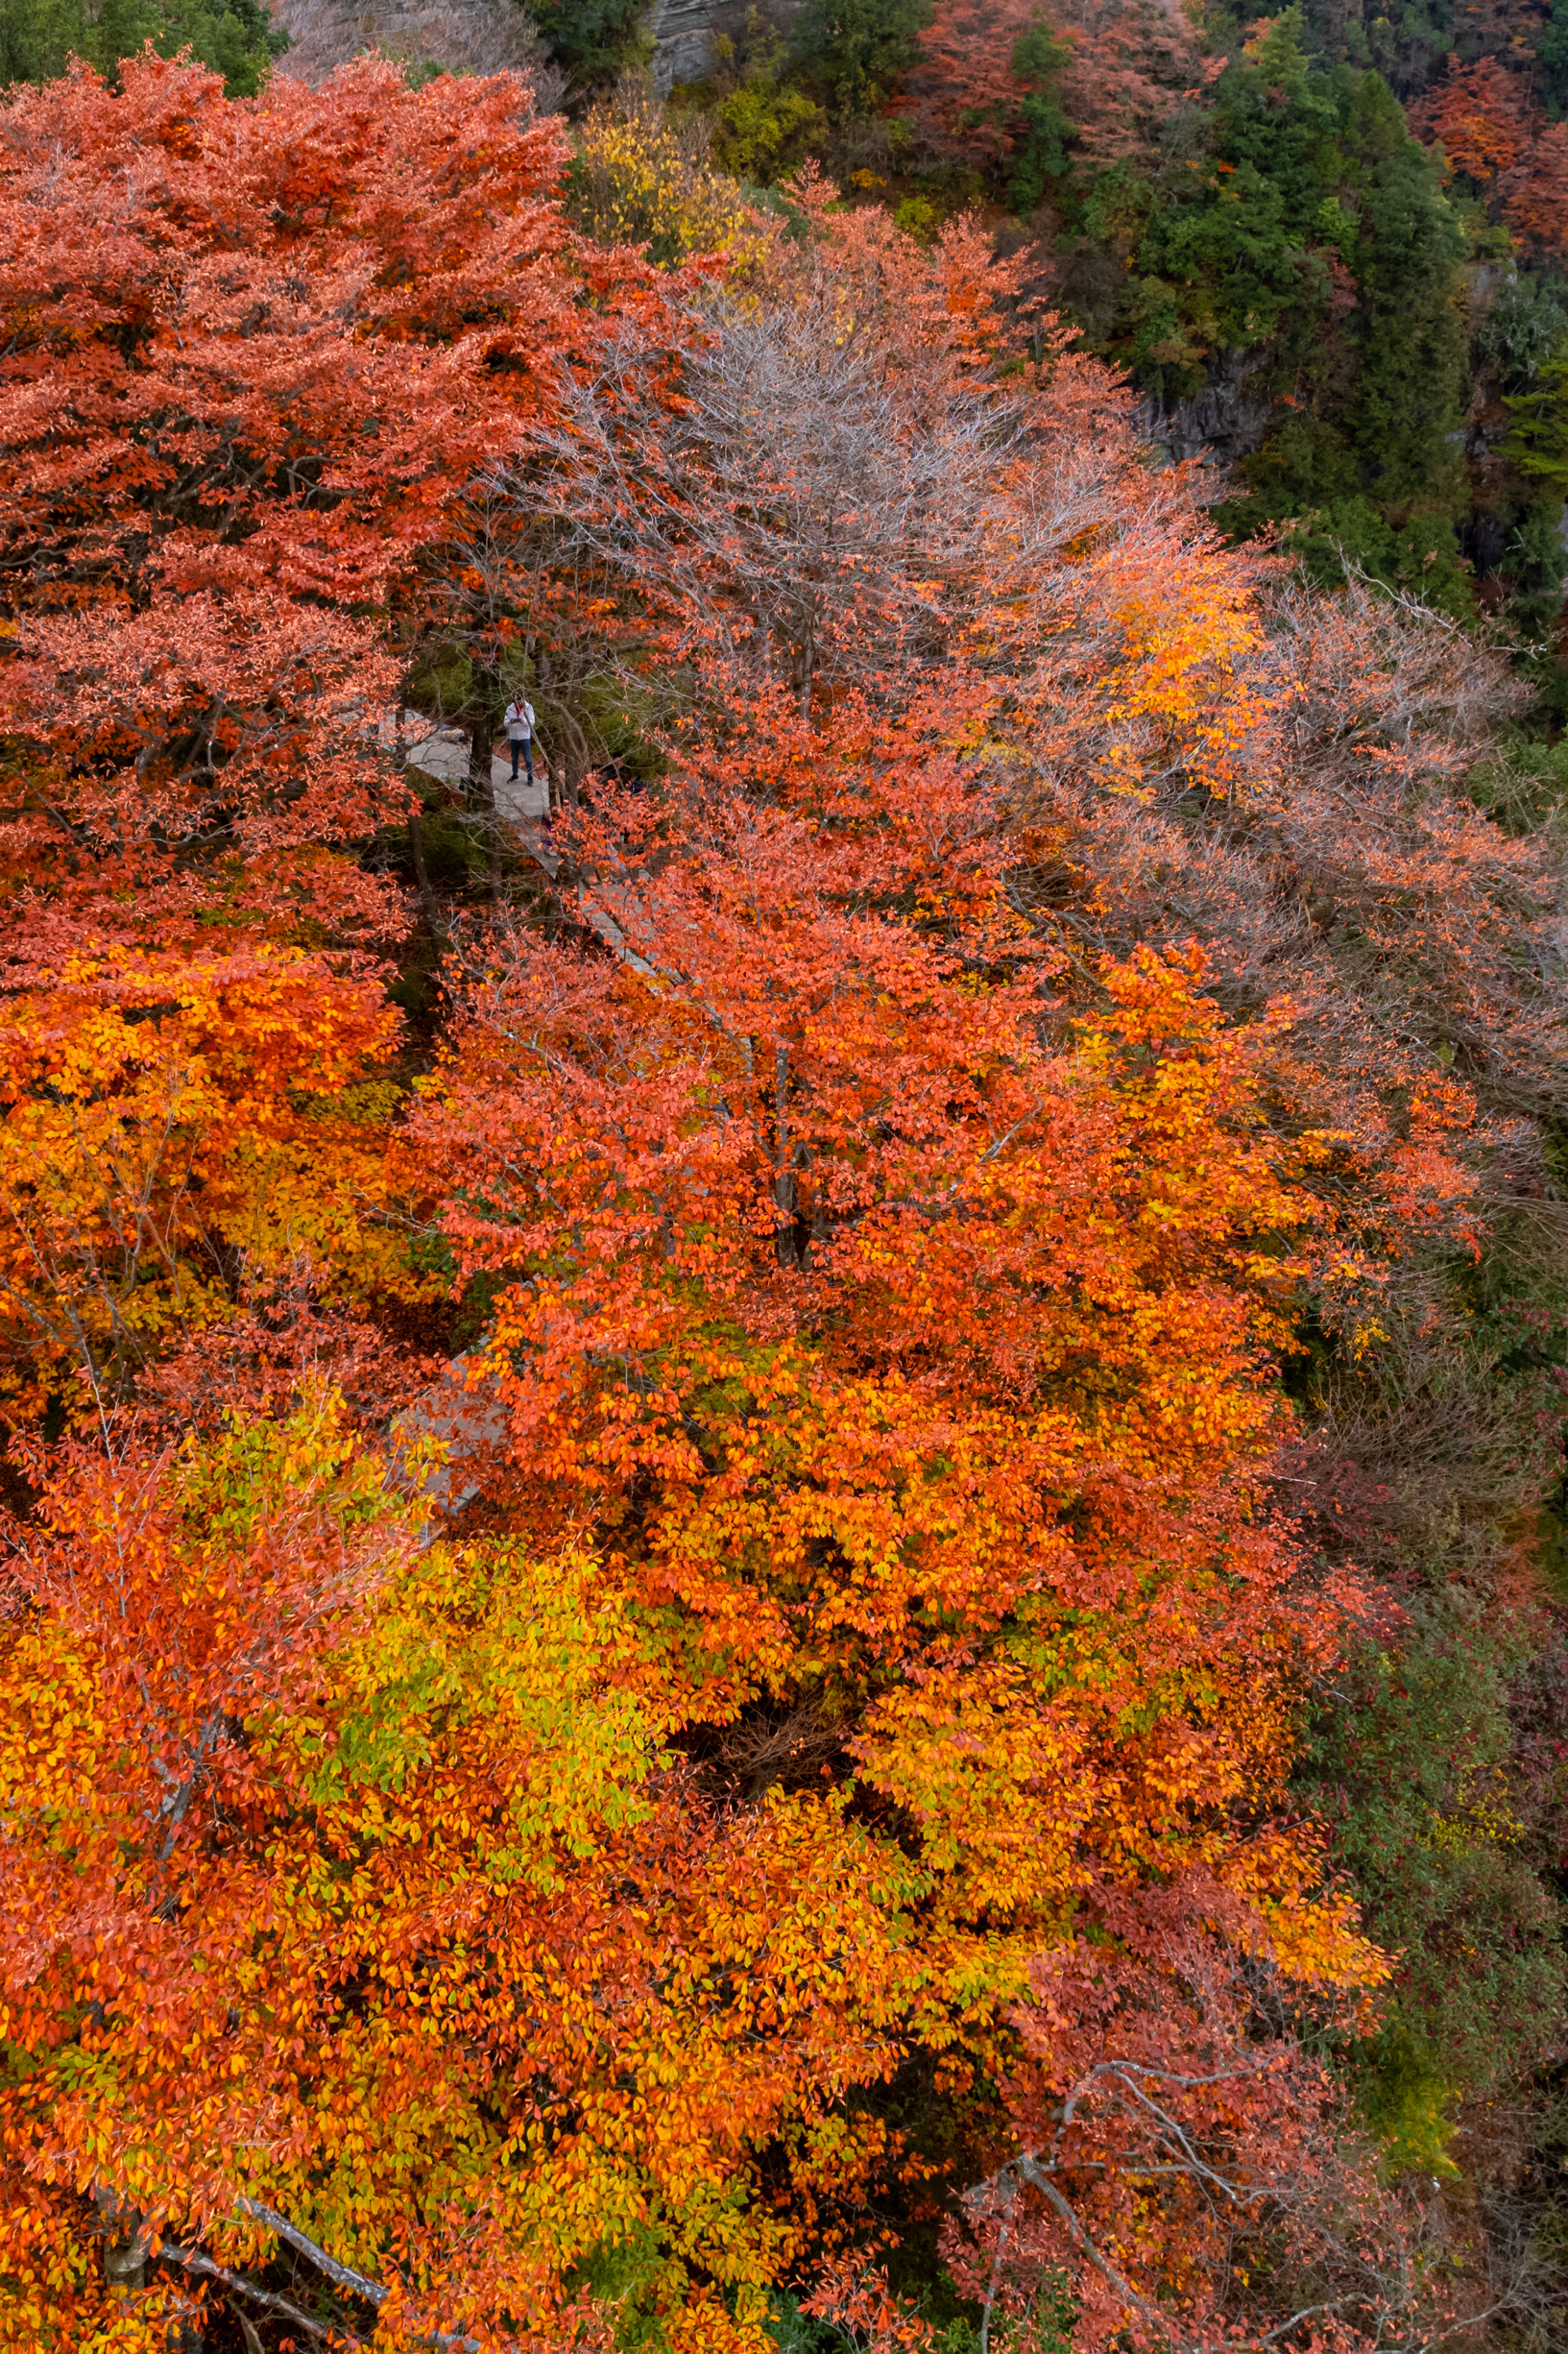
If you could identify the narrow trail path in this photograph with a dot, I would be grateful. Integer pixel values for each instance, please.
(522, 806)
(524, 809)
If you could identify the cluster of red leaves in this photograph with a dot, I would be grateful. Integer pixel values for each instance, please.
(1535, 197)
(253, 356)
(1128, 65)
(965, 91)
(1491, 127)
(1178, 2161)
(1480, 113)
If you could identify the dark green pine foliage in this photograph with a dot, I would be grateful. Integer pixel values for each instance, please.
(1372, 463)
(1538, 443)
(1536, 558)
(1044, 150)
(1551, 48)
(1447, 1826)
(1406, 45)
(595, 40)
(1296, 232)
(852, 52)
(235, 38)
(1237, 237)
(1404, 421)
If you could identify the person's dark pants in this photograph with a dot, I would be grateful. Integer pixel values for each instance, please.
(527, 751)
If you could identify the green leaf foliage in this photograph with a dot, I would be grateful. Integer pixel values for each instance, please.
(595, 40)
(1413, 1765)
(855, 50)
(1042, 153)
(235, 38)
(1307, 225)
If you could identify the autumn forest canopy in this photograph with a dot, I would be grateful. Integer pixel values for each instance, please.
(785, 1544)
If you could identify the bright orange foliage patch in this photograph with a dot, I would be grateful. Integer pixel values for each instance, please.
(175, 1129)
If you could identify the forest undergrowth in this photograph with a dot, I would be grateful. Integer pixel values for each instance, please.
(789, 1568)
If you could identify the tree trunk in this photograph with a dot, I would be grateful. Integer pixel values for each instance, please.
(125, 2250)
(784, 1184)
(421, 876)
(805, 665)
(479, 779)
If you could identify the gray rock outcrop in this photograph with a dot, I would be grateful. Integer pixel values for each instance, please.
(493, 37)
(683, 32)
(476, 36)
(1227, 420)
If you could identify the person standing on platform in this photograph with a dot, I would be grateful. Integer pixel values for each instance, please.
(520, 735)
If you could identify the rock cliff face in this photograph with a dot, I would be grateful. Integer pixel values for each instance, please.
(478, 37)
(1229, 418)
(492, 37)
(684, 30)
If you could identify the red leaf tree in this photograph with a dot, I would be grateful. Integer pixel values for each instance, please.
(1536, 193)
(1480, 113)
(1181, 2161)
(1126, 67)
(256, 356)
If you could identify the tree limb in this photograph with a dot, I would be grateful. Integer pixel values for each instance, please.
(343, 2275)
(1037, 2179)
(236, 2285)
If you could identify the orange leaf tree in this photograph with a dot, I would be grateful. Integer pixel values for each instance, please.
(979, 63)
(1481, 115)
(871, 1588)
(905, 1373)
(1535, 192)
(178, 1134)
(352, 1908)
(1119, 67)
